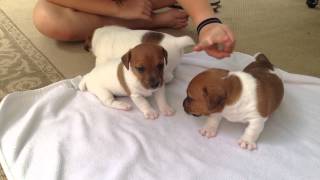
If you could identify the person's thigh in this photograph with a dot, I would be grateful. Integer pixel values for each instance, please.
(63, 23)
(67, 24)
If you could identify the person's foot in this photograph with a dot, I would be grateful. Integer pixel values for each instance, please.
(172, 18)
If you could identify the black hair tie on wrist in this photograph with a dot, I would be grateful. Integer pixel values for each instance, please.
(208, 21)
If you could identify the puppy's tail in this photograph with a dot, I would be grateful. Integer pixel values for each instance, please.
(263, 61)
(82, 85)
(185, 41)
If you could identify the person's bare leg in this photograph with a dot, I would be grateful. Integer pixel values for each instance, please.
(173, 18)
(62, 23)
(66, 24)
(158, 4)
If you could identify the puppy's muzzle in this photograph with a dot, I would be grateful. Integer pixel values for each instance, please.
(186, 107)
(154, 83)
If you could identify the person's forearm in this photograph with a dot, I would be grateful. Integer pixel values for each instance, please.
(198, 10)
(100, 7)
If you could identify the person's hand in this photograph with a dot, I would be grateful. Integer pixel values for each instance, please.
(216, 39)
(134, 9)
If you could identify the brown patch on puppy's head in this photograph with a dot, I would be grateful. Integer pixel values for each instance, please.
(210, 91)
(147, 62)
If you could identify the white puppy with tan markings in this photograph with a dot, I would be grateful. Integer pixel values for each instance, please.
(134, 63)
(113, 41)
(248, 96)
(138, 73)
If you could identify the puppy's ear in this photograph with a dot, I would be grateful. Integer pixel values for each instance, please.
(215, 102)
(126, 59)
(165, 55)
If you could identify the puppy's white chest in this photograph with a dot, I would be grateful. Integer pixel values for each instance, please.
(136, 87)
(240, 113)
(139, 90)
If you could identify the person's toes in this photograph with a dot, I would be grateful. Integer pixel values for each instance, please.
(180, 25)
(183, 22)
(173, 18)
(181, 14)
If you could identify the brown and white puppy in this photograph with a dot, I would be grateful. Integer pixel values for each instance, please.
(139, 73)
(113, 41)
(248, 96)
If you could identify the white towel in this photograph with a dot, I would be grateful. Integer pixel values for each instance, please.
(60, 133)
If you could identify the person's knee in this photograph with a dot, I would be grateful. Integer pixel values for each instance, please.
(53, 24)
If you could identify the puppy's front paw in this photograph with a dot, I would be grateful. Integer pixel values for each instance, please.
(121, 105)
(168, 77)
(245, 144)
(167, 111)
(151, 114)
(208, 131)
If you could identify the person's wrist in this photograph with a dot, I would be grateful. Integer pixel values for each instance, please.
(206, 22)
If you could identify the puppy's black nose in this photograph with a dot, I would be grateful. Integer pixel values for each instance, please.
(154, 83)
(185, 107)
(196, 115)
(184, 103)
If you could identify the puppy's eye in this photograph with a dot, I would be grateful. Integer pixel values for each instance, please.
(140, 69)
(160, 67)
